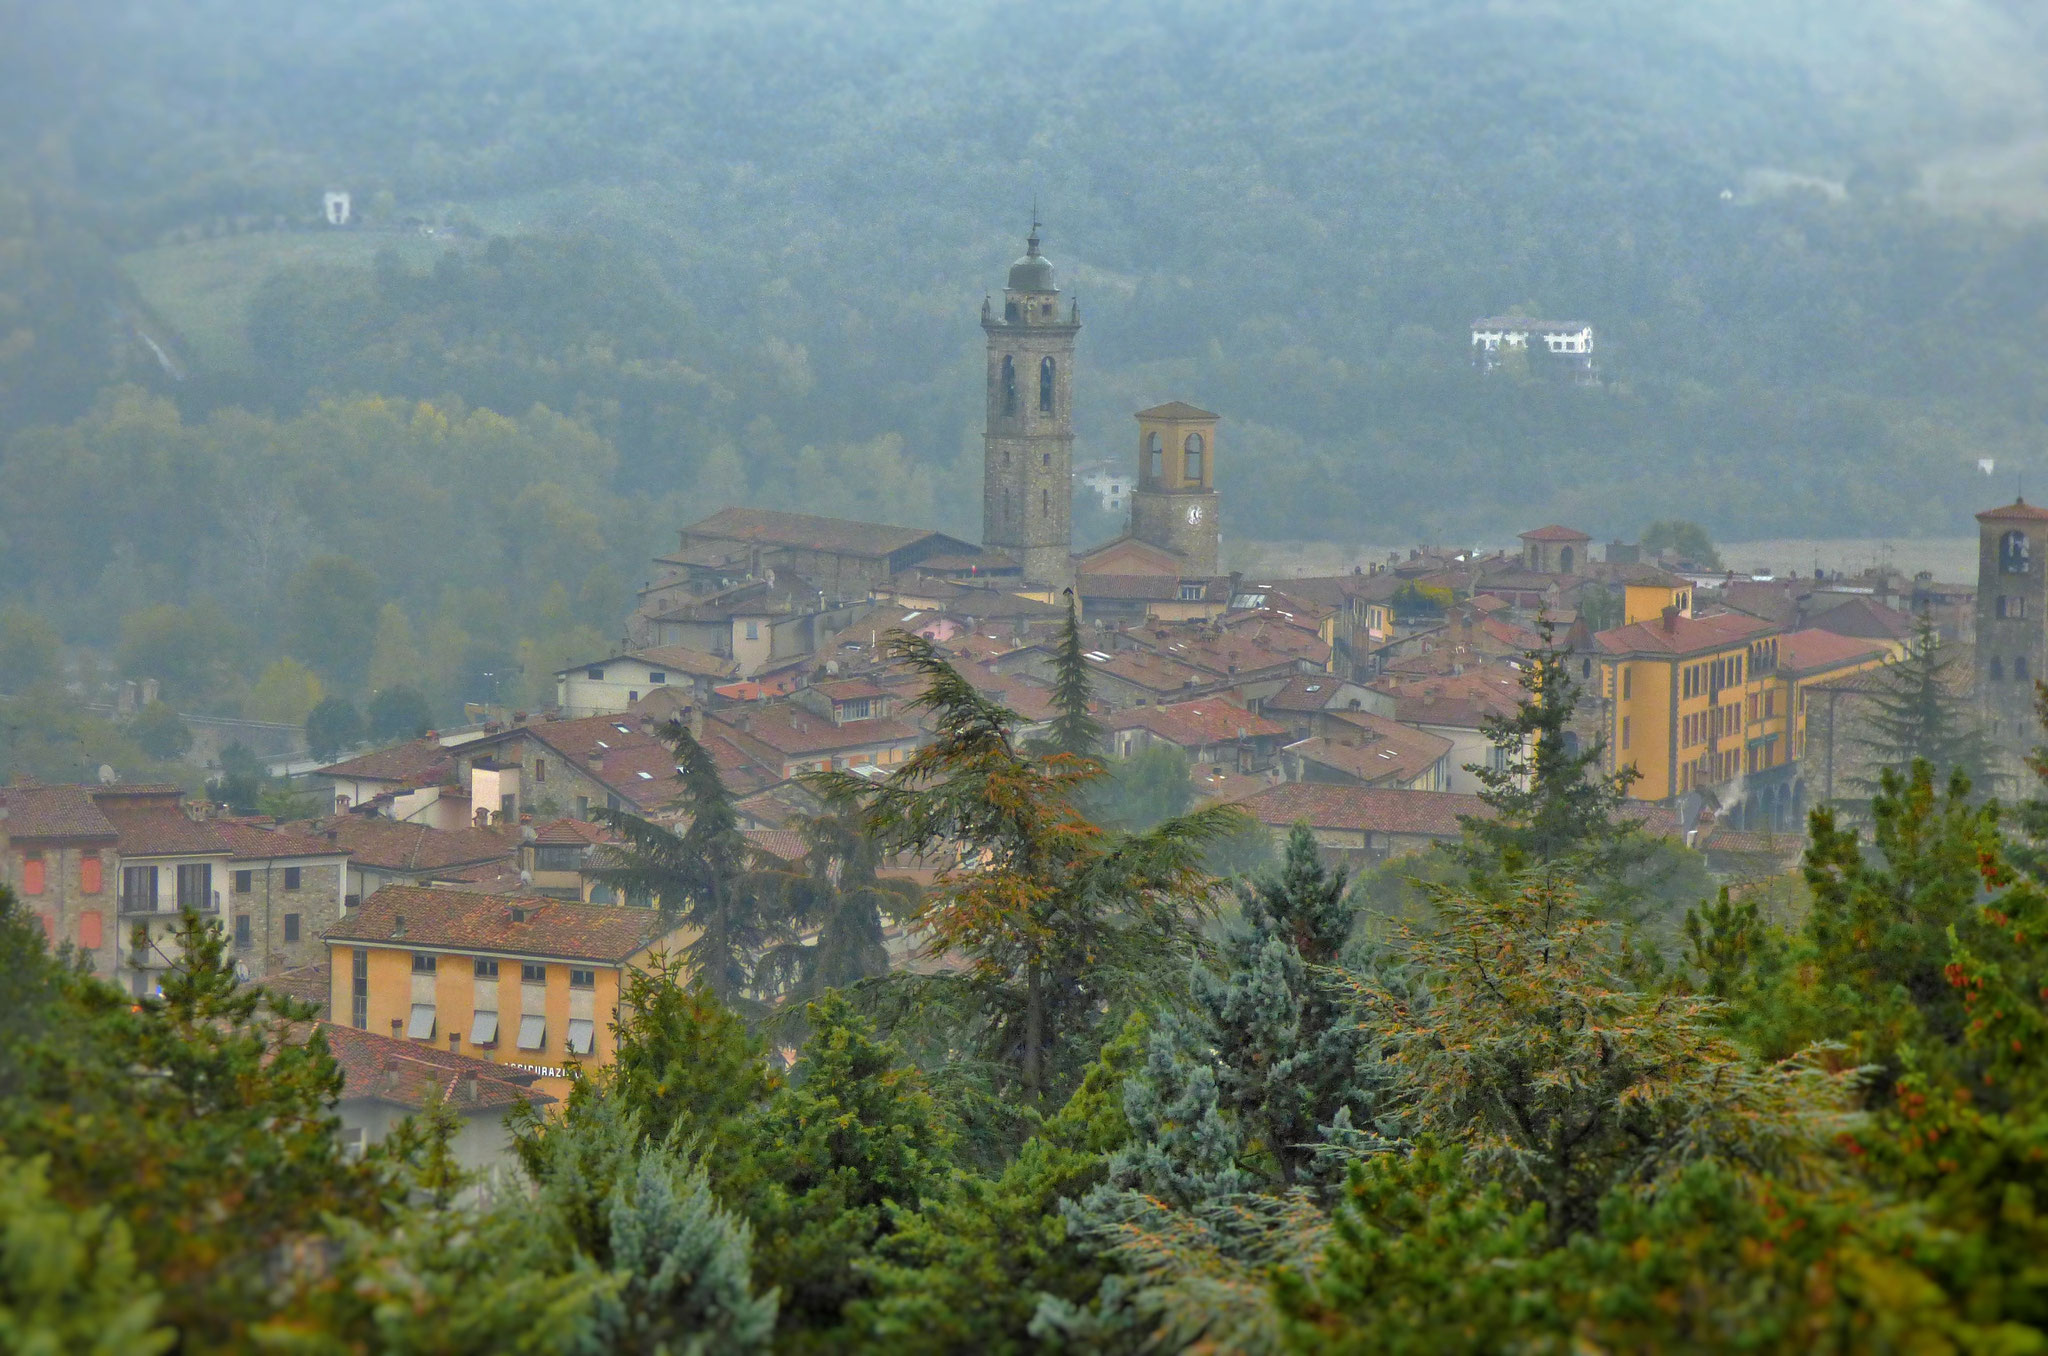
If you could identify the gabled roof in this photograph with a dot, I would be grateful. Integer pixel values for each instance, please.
(152, 823)
(255, 843)
(1866, 618)
(1305, 692)
(424, 918)
(1126, 555)
(792, 731)
(53, 812)
(411, 1073)
(1815, 650)
(384, 844)
(804, 531)
(1555, 532)
(417, 762)
(1686, 635)
(570, 833)
(1192, 725)
(1366, 809)
(2018, 511)
(673, 658)
(1175, 409)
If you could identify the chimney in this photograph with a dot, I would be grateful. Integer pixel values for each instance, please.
(455, 1042)
(597, 760)
(398, 926)
(1670, 620)
(397, 1028)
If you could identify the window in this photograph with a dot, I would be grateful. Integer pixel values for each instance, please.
(1627, 683)
(1624, 731)
(1192, 463)
(632, 696)
(1997, 669)
(1045, 501)
(486, 969)
(1009, 385)
(533, 1031)
(359, 990)
(420, 1026)
(1585, 668)
(582, 1035)
(2011, 605)
(483, 1028)
(291, 928)
(533, 974)
(245, 935)
(32, 874)
(291, 878)
(89, 878)
(753, 630)
(583, 979)
(594, 675)
(2013, 553)
(424, 963)
(657, 676)
(1155, 459)
(1191, 593)
(245, 881)
(195, 887)
(89, 934)
(1010, 311)
(857, 709)
(1045, 371)
(2019, 668)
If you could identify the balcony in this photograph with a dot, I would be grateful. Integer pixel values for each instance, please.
(205, 905)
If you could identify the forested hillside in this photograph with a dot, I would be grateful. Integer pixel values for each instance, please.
(736, 252)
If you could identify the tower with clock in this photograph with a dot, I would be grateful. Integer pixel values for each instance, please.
(1174, 504)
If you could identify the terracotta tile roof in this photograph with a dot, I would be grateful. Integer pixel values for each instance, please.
(1510, 634)
(1867, 618)
(571, 833)
(1155, 673)
(255, 843)
(152, 825)
(408, 1073)
(1463, 701)
(1369, 809)
(492, 878)
(49, 812)
(462, 920)
(1126, 555)
(1815, 650)
(850, 689)
(785, 844)
(1687, 635)
(1381, 750)
(1154, 588)
(1218, 782)
(1175, 409)
(1555, 533)
(1248, 643)
(1191, 725)
(1304, 692)
(417, 762)
(373, 841)
(2018, 511)
(1030, 699)
(806, 532)
(682, 659)
(792, 731)
(308, 983)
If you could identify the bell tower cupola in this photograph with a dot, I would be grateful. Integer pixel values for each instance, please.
(1028, 450)
(1174, 505)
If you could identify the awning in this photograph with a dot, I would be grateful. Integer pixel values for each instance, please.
(483, 1028)
(582, 1035)
(421, 1027)
(533, 1031)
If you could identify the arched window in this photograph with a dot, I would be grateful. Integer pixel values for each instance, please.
(2012, 553)
(1564, 560)
(1155, 459)
(1010, 312)
(1193, 471)
(1009, 385)
(1997, 669)
(1045, 370)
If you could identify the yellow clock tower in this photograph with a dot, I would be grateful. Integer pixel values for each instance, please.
(1174, 505)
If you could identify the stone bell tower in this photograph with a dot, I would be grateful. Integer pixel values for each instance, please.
(1028, 453)
(2012, 624)
(1174, 506)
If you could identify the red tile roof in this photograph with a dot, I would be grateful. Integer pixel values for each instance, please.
(1814, 650)
(1175, 409)
(2018, 511)
(785, 844)
(421, 917)
(417, 762)
(806, 532)
(256, 843)
(850, 689)
(682, 659)
(409, 1073)
(1191, 725)
(794, 732)
(1555, 533)
(1867, 618)
(1686, 635)
(373, 841)
(155, 825)
(1380, 750)
(1304, 693)
(1153, 672)
(1369, 809)
(308, 983)
(571, 833)
(48, 812)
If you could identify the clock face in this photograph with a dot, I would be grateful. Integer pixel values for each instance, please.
(1194, 514)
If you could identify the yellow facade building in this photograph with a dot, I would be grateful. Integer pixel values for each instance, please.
(517, 980)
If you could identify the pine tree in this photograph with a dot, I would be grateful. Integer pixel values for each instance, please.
(1919, 709)
(1074, 731)
(837, 895)
(684, 1063)
(824, 1170)
(68, 1280)
(1065, 928)
(707, 877)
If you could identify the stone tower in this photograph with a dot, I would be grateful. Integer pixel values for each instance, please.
(2012, 622)
(1174, 505)
(1028, 456)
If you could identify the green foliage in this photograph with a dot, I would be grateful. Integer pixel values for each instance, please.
(835, 895)
(824, 1169)
(1148, 788)
(333, 726)
(29, 649)
(1920, 709)
(286, 693)
(159, 731)
(186, 649)
(398, 713)
(68, 1281)
(685, 1063)
(1075, 730)
(1688, 540)
(331, 617)
(50, 736)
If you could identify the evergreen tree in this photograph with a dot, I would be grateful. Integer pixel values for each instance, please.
(332, 726)
(68, 1280)
(399, 713)
(1065, 928)
(826, 1168)
(1550, 801)
(706, 877)
(1919, 709)
(683, 1063)
(838, 897)
(1074, 731)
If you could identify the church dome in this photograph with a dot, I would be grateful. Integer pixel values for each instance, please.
(1032, 273)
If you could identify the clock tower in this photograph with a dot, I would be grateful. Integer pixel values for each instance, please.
(1174, 506)
(1028, 452)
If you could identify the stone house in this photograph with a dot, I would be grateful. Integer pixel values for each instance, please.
(1363, 825)
(1211, 730)
(385, 1079)
(170, 862)
(288, 887)
(60, 855)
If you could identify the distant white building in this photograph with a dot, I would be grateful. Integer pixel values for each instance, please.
(335, 205)
(1111, 484)
(1570, 340)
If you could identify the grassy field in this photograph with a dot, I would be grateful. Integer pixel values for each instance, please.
(201, 289)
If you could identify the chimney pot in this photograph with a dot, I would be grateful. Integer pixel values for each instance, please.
(454, 1042)
(1671, 619)
(398, 926)
(397, 1027)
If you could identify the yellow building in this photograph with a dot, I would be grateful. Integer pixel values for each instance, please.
(515, 980)
(1712, 704)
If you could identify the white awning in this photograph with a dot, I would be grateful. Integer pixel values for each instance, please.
(582, 1035)
(533, 1031)
(483, 1028)
(421, 1027)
